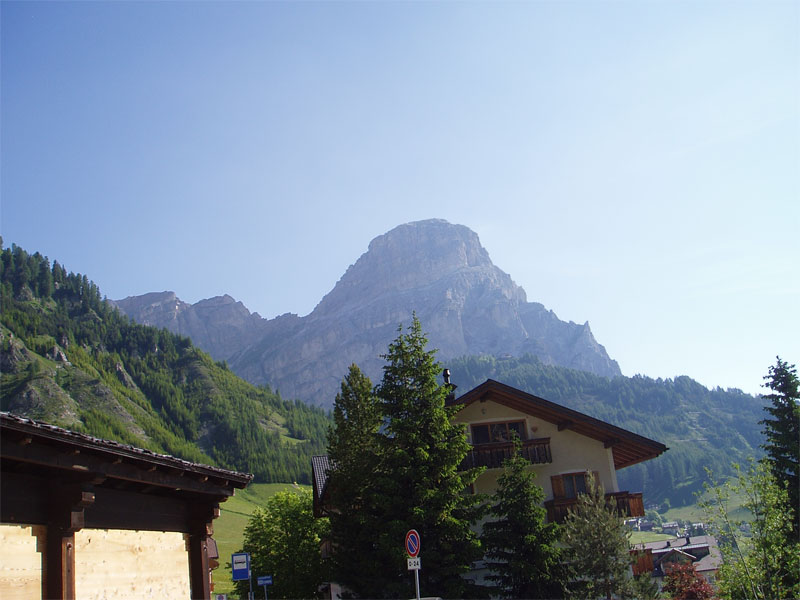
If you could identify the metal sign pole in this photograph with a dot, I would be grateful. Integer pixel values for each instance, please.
(416, 581)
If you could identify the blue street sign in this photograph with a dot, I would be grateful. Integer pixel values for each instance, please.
(240, 566)
(265, 580)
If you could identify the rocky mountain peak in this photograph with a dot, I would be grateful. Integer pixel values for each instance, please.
(434, 269)
(411, 258)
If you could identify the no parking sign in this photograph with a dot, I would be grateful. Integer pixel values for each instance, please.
(413, 543)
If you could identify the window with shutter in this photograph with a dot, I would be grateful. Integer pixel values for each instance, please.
(569, 485)
(558, 486)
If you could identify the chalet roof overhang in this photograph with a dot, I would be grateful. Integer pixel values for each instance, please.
(121, 486)
(627, 448)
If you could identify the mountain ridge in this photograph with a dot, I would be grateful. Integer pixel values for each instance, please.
(434, 269)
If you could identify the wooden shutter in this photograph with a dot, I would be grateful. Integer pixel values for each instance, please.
(558, 486)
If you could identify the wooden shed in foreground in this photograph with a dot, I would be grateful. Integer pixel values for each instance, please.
(87, 518)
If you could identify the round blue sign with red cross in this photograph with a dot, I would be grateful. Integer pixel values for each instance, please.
(412, 543)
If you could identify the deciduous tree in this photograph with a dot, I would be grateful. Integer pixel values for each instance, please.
(766, 566)
(283, 540)
(683, 582)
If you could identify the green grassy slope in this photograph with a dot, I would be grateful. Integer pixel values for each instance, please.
(70, 359)
(229, 527)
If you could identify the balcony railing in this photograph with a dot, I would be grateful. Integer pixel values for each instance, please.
(629, 504)
(536, 451)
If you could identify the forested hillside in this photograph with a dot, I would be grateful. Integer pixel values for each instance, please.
(701, 427)
(70, 359)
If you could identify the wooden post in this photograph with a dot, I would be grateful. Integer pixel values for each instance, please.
(198, 566)
(67, 504)
(200, 529)
(60, 565)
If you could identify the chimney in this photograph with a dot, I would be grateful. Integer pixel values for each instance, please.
(451, 387)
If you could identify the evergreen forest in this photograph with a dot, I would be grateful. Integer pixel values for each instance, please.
(71, 359)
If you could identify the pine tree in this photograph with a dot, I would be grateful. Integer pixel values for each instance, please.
(353, 453)
(418, 484)
(597, 547)
(521, 547)
(783, 433)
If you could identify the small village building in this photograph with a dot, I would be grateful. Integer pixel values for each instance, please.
(562, 445)
(657, 557)
(671, 527)
(86, 518)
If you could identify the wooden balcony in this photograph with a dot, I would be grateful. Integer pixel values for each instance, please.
(492, 456)
(629, 504)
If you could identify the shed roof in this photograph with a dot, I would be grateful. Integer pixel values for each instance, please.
(34, 447)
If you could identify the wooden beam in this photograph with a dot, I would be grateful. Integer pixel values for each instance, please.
(565, 425)
(129, 509)
(98, 465)
(611, 442)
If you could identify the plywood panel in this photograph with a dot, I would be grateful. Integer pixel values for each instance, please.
(20, 562)
(122, 564)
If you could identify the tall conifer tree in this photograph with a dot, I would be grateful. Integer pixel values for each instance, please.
(419, 485)
(520, 545)
(354, 457)
(782, 431)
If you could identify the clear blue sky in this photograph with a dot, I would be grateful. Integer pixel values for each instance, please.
(633, 164)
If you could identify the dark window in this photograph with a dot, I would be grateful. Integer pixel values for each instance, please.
(497, 432)
(574, 484)
(480, 434)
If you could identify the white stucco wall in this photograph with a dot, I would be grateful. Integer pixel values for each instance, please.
(570, 451)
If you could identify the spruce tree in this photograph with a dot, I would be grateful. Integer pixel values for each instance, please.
(353, 454)
(597, 547)
(521, 547)
(782, 431)
(419, 485)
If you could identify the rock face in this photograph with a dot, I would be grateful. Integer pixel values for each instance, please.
(436, 269)
(221, 326)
